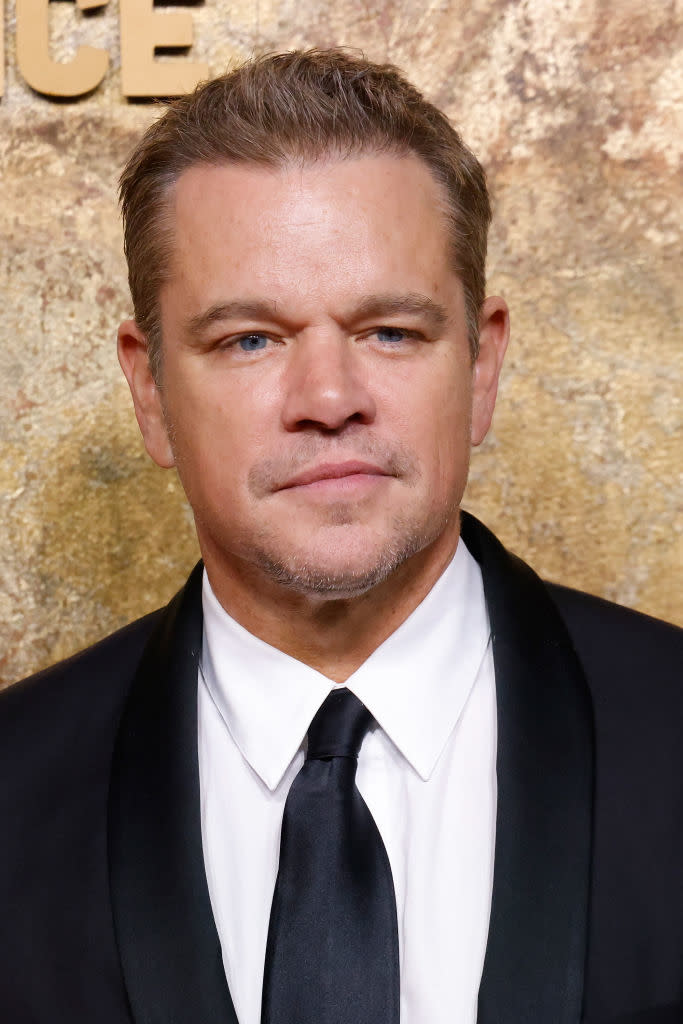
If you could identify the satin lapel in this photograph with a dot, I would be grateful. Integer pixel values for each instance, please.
(170, 951)
(534, 964)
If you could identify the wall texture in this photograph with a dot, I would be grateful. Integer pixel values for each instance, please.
(575, 108)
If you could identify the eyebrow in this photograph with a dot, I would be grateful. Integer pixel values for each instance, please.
(372, 307)
(238, 309)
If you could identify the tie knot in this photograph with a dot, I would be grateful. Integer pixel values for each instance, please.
(338, 729)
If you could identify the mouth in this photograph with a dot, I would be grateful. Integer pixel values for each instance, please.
(336, 474)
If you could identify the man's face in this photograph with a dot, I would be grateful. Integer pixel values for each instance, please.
(318, 396)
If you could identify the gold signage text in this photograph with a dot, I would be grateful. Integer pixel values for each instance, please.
(142, 29)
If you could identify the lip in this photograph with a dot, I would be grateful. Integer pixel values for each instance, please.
(333, 471)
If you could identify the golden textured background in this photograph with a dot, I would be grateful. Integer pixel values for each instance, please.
(574, 106)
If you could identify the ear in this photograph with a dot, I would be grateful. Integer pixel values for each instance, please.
(494, 334)
(132, 350)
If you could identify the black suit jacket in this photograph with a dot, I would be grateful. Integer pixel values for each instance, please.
(104, 909)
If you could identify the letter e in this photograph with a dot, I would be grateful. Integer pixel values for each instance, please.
(142, 30)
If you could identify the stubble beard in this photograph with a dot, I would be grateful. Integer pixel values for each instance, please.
(406, 537)
(375, 555)
(301, 574)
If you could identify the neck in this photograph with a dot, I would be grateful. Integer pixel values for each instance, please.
(332, 635)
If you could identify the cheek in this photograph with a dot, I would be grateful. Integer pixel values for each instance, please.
(229, 434)
(213, 411)
(447, 437)
(444, 412)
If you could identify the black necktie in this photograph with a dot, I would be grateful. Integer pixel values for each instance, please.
(332, 952)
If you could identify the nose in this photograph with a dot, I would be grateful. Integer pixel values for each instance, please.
(325, 387)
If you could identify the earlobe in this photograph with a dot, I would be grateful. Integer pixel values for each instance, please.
(494, 334)
(133, 357)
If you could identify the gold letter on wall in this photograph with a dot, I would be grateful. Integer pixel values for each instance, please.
(80, 75)
(142, 30)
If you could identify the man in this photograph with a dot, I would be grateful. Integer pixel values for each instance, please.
(313, 352)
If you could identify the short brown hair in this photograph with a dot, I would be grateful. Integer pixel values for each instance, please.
(301, 105)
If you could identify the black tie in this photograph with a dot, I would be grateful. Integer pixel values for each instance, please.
(332, 952)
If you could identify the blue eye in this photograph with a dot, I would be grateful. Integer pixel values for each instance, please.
(391, 334)
(253, 342)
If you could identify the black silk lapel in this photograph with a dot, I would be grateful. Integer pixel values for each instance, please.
(169, 947)
(536, 950)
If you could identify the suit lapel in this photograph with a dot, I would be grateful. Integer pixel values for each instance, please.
(170, 951)
(534, 964)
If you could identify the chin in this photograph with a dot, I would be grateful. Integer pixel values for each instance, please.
(317, 574)
(315, 581)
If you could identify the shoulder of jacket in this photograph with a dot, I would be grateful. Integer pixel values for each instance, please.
(103, 666)
(619, 644)
(582, 610)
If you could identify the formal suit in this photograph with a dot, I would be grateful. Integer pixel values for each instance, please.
(105, 909)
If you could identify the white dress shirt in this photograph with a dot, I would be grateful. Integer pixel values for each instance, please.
(426, 771)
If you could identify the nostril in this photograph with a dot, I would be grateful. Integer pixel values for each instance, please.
(331, 430)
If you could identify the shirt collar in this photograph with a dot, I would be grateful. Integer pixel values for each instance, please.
(416, 683)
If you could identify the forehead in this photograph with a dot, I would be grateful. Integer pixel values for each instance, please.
(343, 222)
